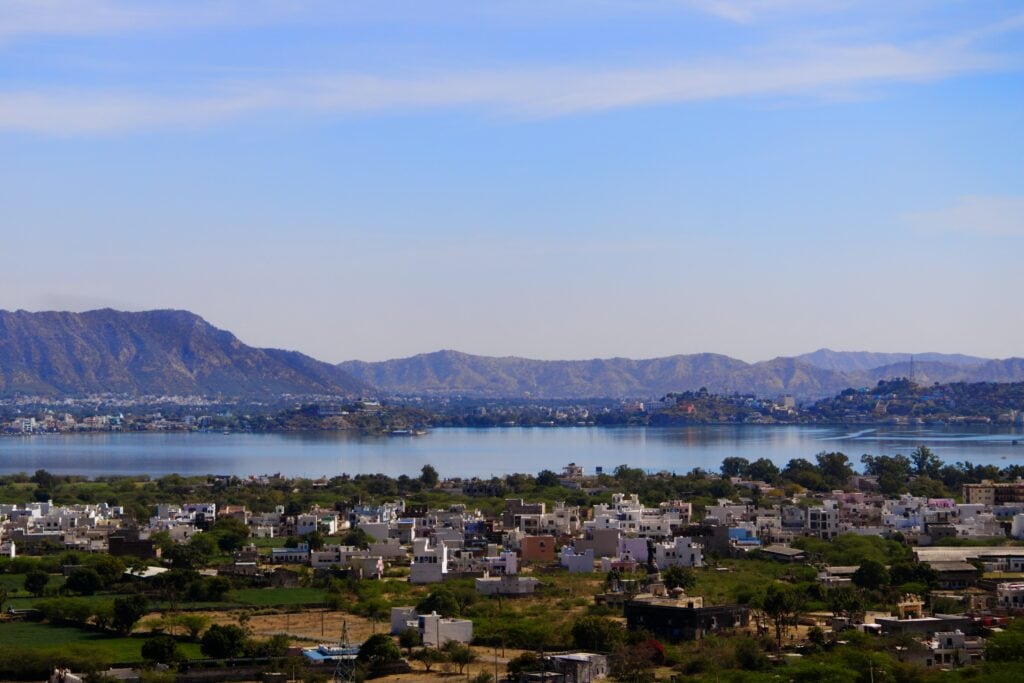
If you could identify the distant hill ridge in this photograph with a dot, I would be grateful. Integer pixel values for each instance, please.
(163, 352)
(166, 352)
(813, 375)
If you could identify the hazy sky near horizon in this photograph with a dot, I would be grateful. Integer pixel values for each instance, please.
(564, 179)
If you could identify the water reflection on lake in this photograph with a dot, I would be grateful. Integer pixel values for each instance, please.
(485, 452)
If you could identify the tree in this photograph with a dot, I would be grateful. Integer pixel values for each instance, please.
(547, 478)
(926, 462)
(524, 663)
(109, 568)
(441, 601)
(428, 657)
(379, 650)
(892, 471)
(315, 539)
(801, 471)
(374, 609)
(871, 575)
(205, 546)
(846, 602)
(763, 469)
(4, 594)
(193, 624)
(783, 606)
(735, 466)
(410, 638)
(357, 537)
(160, 649)
(458, 654)
(44, 480)
(231, 533)
(185, 556)
(84, 581)
(35, 582)
(222, 641)
(908, 571)
(127, 612)
(429, 476)
(596, 633)
(1007, 646)
(679, 577)
(749, 654)
(835, 468)
(633, 664)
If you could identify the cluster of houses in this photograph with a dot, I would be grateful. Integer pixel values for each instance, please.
(50, 422)
(501, 551)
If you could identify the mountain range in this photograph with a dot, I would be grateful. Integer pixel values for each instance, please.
(170, 352)
(813, 375)
(163, 352)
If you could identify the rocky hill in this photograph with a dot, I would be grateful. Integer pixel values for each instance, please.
(163, 352)
(817, 375)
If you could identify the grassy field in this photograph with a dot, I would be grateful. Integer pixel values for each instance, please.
(15, 583)
(273, 597)
(734, 579)
(32, 636)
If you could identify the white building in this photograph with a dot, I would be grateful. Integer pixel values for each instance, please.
(429, 563)
(683, 552)
(436, 630)
(953, 648)
(1010, 595)
(633, 548)
(297, 555)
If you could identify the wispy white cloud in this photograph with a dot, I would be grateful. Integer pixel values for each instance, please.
(27, 18)
(746, 11)
(539, 92)
(974, 214)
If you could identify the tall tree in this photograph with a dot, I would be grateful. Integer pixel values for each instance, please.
(429, 476)
(735, 466)
(35, 582)
(926, 462)
(871, 575)
(783, 606)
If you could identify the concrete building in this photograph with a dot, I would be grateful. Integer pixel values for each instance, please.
(537, 549)
(429, 563)
(577, 563)
(992, 493)
(506, 585)
(1010, 595)
(682, 552)
(436, 630)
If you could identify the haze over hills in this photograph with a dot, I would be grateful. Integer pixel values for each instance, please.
(814, 375)
(849, 361)
(164, 352)
(167, 352)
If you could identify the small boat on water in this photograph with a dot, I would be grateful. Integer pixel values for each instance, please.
(402, 431)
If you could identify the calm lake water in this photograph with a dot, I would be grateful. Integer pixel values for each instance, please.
(484, 452)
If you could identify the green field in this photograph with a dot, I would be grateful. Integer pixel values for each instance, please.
(28, 636)
(273, 597)
(15, 583)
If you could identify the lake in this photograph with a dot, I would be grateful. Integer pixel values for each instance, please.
(485, 452)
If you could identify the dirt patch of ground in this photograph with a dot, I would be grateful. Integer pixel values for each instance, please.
(306, 627)
(310, 627)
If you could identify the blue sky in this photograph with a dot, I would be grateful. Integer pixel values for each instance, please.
(555, 180)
